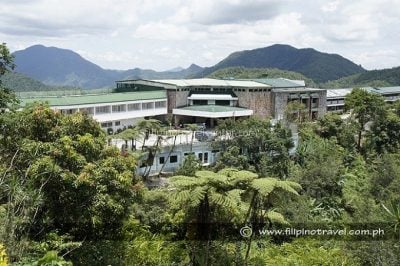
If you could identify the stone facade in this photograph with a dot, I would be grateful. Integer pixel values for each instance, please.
(259, 101)
(176, 99)
(281, 98)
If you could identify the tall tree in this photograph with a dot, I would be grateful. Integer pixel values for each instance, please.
(60, 176)
(6, 64)
(365, 107)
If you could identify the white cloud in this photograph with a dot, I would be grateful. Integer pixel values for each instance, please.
(162, 34)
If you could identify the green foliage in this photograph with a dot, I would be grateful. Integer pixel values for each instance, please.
(318, 66)
(365, 107)
(3, 256)
(67, 179)
(189, 166)
(304, 253)
(384, 133)
(372, 78)
(232, 158)
(320, 171)
(254, 144)
(385, 181)
(7, 97)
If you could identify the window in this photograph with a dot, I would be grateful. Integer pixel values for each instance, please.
(162, 160)
(117, 123)
(118, 108)
(161, 104)
(134, 106)
(223, 102)
(200, 155)
(200, 102)
(148, 105)
(106, 124)
(68, 111)
(89, 110)
(206, 157)
(102, 109)
(173, 159)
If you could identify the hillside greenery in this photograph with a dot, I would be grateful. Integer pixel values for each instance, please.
(259, 73)
(21, 83)
(320, 67)
(372, 78)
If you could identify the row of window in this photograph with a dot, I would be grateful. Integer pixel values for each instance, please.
(329, 102)
(224, 89)
(203, 157)
(110, 124)
(117, 108)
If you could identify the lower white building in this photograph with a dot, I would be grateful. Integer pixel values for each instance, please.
(112, 110)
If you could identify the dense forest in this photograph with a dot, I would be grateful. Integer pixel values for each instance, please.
(68, 197)
(373, 78)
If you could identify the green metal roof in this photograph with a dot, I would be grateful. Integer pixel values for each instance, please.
(97, 98)
(212, 108)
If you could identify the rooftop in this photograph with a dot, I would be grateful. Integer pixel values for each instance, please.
(282, 82)
(202, 82)
(385, 90)
(96, 98)
(338, 93)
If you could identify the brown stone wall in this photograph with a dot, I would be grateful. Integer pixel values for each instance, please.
(280, 100)
(322, 104)
(259, 102)
(181, 98)
(176, 99)
(171, 100)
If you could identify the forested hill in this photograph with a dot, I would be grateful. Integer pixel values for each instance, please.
(257, 73)
(21, 83)
(320, 67)
(377, 78)
(62, 67)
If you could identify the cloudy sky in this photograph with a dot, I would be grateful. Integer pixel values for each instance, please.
(163, 34)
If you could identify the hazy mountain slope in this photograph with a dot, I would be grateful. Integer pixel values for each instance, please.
(62, 67)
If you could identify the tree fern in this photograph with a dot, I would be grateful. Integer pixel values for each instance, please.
(276, 217)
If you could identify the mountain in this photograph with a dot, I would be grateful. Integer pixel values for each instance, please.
(373, 78)
(62, 67)
(320, 67)
(55, 66)
(176, 69)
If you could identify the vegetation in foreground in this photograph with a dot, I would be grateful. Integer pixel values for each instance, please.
(66, 197)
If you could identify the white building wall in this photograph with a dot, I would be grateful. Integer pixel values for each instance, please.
(120, 116)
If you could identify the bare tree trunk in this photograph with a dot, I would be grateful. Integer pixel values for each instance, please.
(155, 154)
(169, 155)
(191, 142)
